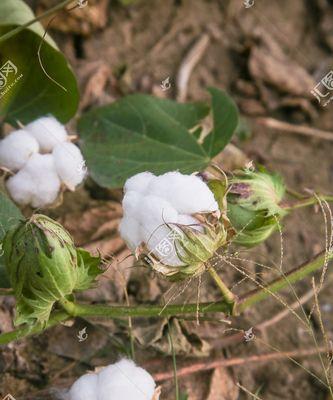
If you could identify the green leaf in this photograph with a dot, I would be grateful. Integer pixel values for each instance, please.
(225, 117)
(144, 133)
(138, 133)
(9, 216)
(28, 92)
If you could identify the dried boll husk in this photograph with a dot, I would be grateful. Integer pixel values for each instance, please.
(44, 266)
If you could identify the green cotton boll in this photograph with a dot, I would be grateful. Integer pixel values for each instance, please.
(254, 205)
(44, 266)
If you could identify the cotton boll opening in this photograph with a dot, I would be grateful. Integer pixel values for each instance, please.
(48, 132)
(21, 188)
(16, 149)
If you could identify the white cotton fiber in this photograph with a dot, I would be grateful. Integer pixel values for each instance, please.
(132, 203)
(16, 149)
(69, 164)
(46, 182)
(120, 381)
(189, 221)
(139, 182)
(85, 388)
(125, 381)
(21, 188)
(130, 231)
(48, 132)
(188, 194)
(154, 213)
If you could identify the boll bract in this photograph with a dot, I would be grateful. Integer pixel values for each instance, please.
(48, 132)
(16, 149)
(119, 381)
(254, 205)
(69, 164)
(170, 221)
(44, 266)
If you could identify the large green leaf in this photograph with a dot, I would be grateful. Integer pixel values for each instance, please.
(9, 216)
(28, 92)
(144, 133)
(225, 117)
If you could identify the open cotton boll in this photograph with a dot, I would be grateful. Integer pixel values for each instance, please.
(130, 231)
(188, 194)
(125, 381)
(69, 164)
(48, 132)
(16, 149)
(85, 388)
(132, 203)
(138, 182)
(46, 182)
(21, 188)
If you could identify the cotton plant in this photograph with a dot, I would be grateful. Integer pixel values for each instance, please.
(43, 161)
(119, 381)
(172, 221)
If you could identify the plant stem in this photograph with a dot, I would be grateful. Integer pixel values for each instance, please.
(228, 296)
(49, 12)
(244, 302)
(307, 202)
(280, 283)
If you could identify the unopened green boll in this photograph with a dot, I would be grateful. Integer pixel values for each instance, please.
(254, 205)
(44, 266)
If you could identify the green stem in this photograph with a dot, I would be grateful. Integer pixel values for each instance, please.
(228, 296)
(280, 283)
(246, 301)
(307, 202)
(49, 12)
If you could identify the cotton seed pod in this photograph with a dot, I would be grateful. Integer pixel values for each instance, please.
(254, 205)
(44, 266)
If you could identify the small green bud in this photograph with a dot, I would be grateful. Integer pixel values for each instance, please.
(44, 266)
(254, 205)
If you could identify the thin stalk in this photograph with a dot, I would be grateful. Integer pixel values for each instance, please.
(228, 296)
(248, 300)
(49, 12)
(174, 362)
(307, 202)
(280, 283)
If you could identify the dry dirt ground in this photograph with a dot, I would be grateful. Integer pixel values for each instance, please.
(268, 56)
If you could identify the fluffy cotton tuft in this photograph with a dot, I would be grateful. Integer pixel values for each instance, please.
(154, 206)
(69, 163)
(187, 193)
(48, 132)
(120, 381)
(139, 182)
(16, 149)
(37, 183)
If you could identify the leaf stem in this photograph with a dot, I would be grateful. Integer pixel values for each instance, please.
(49, 12)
